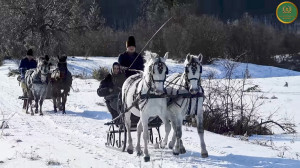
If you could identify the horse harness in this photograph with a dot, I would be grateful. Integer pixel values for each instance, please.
(140, 100)
(186, 95)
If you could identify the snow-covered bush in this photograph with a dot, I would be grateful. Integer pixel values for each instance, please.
(100, 73)
(230, 108)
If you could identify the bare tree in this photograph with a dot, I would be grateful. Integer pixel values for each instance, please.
(41, 23)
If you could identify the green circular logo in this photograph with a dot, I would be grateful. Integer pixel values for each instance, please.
(287, 12)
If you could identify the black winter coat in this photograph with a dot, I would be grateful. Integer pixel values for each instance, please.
(113, 82)
(105, 85)
(25, 65)
(127, 59)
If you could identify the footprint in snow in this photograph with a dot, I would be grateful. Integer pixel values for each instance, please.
(19, 140)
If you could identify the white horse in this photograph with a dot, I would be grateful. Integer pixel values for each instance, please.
(188, 94)
(145, 93)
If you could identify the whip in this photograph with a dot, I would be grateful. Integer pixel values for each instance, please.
(150, 40)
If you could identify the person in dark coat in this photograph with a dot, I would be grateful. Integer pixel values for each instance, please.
(26, 63)
(128, 57)
(110, 87)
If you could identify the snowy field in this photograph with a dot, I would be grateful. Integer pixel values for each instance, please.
(86, 65)
(78, 138)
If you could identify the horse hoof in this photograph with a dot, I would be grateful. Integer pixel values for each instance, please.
(139, 153)
(64, 113)
(182, 151)
(32, 114)
(41, 114)
(130, 151)
(55, 111)
(175, 153)
(171, 146)
(204, 155)
(36, 112)
(147, 158)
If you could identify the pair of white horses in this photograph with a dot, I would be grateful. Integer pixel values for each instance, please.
(153, 81)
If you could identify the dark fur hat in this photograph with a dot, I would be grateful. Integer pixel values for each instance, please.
(130, 41)
(30, 52)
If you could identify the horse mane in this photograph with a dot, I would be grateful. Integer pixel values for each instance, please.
(147, 65)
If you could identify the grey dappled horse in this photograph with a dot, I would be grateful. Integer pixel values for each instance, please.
(188, 83)
(37, 82)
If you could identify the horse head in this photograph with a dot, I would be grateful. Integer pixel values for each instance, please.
(60, 68)
(43, 68)
(192, 72)
(53, 63)
(155, 73)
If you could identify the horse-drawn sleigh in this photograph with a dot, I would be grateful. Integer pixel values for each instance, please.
(156, 99)
(50, 80)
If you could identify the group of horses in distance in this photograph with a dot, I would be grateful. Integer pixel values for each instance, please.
(182, 91)
(51, 77)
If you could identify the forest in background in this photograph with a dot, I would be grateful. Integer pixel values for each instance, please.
(244, 31)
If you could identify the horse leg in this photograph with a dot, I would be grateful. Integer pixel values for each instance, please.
(173, 140)
(54, 104)
(178, 132)
(173, 123)
(200, 130)
(138, 144)
(128, 127)
(59, 102)
(144, 119)
(31, 108)
(64, 100)
(41, 105)
(36, 100)
(164, 142)
(29, 102)
(24, 105)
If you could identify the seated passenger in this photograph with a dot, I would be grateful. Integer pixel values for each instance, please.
(110, 87)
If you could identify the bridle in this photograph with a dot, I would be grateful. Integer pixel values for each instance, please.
(160, 68)
(41, 72)
(194, 66)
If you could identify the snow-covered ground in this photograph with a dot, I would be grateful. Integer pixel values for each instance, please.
(78, 138)
(86, 65)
